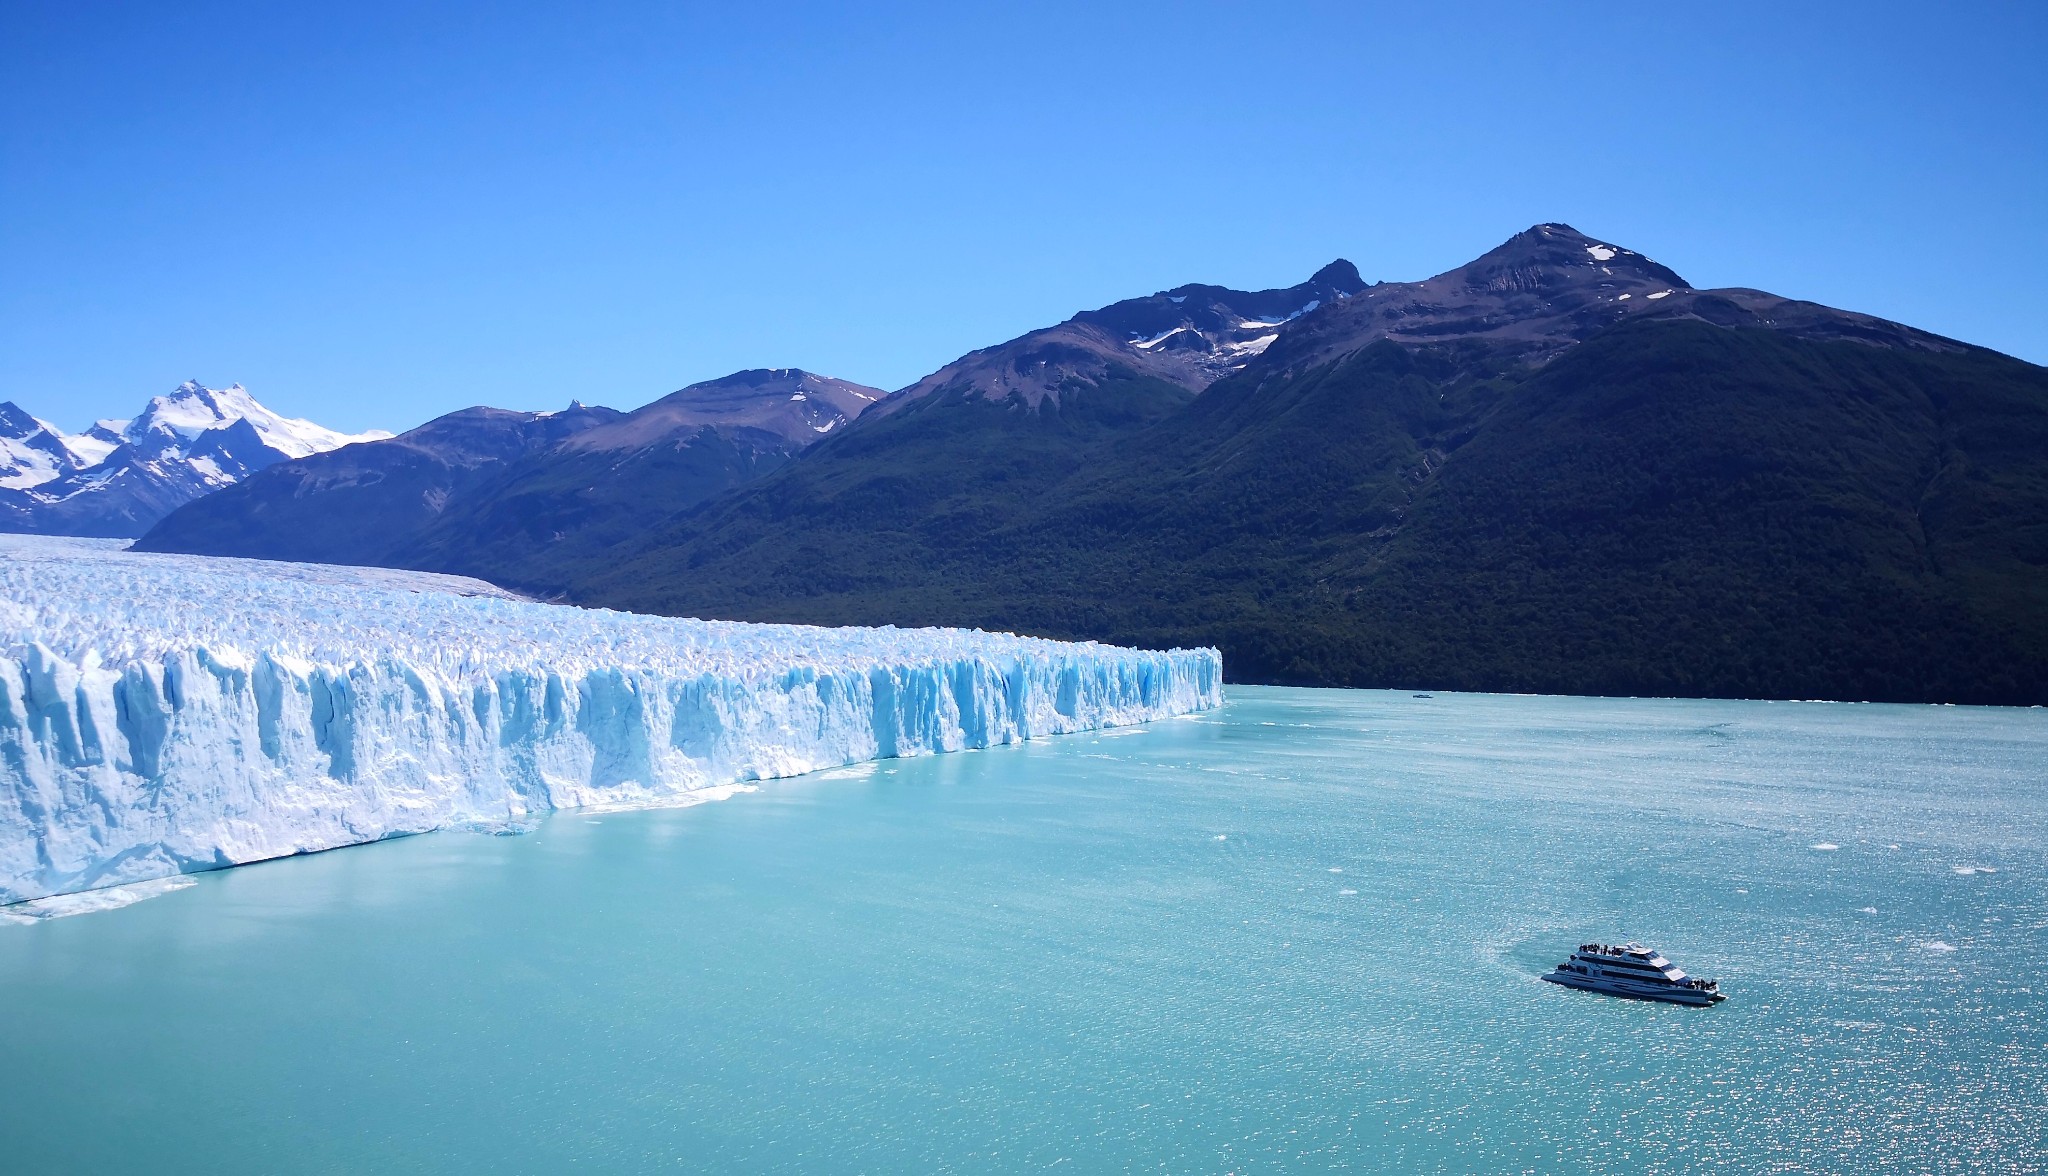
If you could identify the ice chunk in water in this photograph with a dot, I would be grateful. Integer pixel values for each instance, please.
(85, 902)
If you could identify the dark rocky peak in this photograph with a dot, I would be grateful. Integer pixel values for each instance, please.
(1524, 301)
(1340, 275)
(577, 417)
(1558, 256)
(238, 438)
(196, 392)
(15, 423)
(152, 440)
(1220, 310)
(1187, 336)
(1542, 291)
(230, 453)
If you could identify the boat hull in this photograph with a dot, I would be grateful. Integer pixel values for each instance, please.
(1634, 991)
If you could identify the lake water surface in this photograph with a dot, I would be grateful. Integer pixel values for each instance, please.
(1297, 934)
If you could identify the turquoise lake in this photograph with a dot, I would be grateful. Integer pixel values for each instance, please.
(1301, 933)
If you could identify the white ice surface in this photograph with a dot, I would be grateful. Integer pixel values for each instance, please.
(164, 714)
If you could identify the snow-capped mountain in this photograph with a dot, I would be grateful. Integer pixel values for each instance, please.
(32, 451)
(118, 477)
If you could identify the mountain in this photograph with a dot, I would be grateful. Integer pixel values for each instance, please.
(1549, 288)
(119, 477)
(946, 457)
(1185, 337)
(510, 494)
(1557, 468)
(363, 504)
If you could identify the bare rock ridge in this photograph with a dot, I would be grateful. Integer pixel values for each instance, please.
(1524, 302)
(1188, 336)
(794, 406)
(1549, 287)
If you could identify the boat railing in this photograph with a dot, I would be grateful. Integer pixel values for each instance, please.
(1625, 949)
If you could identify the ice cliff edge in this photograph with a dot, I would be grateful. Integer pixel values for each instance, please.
(166, 714)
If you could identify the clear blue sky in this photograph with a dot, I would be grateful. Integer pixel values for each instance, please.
(374, 213)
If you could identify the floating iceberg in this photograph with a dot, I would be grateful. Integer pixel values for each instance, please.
(161, 714)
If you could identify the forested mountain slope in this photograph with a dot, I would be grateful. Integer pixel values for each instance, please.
(1557, 468)
(1672, 508)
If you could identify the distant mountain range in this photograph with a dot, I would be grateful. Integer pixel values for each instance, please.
(1557, 468)
(119, 477)
(530, 496)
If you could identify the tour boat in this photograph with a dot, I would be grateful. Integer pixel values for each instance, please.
(1634, 971)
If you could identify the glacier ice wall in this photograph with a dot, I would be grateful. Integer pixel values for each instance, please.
(162, 714)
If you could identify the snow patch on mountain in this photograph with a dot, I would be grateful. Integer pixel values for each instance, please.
(1156, 340)
(162, 715)
(92, 446)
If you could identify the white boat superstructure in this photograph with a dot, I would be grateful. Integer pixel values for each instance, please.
(1635, 971)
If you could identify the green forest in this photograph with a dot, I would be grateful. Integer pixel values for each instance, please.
(1670, 508)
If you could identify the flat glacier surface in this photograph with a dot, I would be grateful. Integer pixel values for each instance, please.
(1300, 933)
(162, 714)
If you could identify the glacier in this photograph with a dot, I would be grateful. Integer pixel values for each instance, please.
(164, 714)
